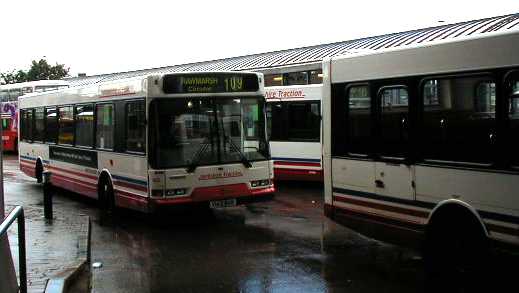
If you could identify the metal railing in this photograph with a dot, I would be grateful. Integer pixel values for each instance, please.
(17, 213)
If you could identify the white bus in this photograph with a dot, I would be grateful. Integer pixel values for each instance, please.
(421, 145)
(11, 92)
(143, 143)
(294, 125)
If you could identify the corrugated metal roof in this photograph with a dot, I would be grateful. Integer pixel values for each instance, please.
(313, 54)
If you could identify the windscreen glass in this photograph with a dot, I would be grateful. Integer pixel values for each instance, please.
(207, 131)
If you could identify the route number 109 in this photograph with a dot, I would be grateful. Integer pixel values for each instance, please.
(233, 84)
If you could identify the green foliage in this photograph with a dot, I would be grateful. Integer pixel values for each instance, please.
(40, 70)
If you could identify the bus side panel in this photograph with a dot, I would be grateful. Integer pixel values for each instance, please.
(28, 153)
(129, 178)
(297, 160)
(74, 169)
(492, 194)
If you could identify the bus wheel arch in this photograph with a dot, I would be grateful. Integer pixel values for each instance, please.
(105, 191)
(456, 240)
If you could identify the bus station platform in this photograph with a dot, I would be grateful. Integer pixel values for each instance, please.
(57, 249)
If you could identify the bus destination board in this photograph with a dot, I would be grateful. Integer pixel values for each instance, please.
(210, 83)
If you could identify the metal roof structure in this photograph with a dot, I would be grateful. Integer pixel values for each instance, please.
(315, 54)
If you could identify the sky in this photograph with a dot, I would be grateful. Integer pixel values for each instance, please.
(96, 37)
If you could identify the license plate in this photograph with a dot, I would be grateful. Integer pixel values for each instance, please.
(218, 204)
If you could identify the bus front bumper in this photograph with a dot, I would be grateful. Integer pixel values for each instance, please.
(203, 196)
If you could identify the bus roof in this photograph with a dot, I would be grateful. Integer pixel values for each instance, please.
(472, 53)
(33, 83)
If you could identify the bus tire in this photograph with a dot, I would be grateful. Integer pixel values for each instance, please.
(456, 247)
(39, 171)
(106, 197)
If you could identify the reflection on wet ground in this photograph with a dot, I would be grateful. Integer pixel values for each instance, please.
(285, 245)
(281, 246)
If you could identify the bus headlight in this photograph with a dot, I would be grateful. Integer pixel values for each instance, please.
(260, 183)
(176, 192)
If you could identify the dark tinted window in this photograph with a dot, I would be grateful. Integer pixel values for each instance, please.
(513, 115)
(29, 124)
(458, 119)
(66, 125)
(275, 121)
(304, 120)
(394, 118)
(51, 125)
(294, 121)
(105, 126)
(25, 130)
(85, 125)
(39, 124)
(295, 78)
(359, 120)
(135, 126)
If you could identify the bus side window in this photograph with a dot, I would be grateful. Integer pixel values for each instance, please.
(66, 125)
(51, 125)
(358, 119)
(513, 116)
(136, 126)
(394, 121)
(304, 121)
(23, 125)
(458, 114)
(275, 121)
(105, 126)
(85, 125)
(39, 127)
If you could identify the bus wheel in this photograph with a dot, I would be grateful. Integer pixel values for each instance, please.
(106, 196)
(456, 249)
(39, 171)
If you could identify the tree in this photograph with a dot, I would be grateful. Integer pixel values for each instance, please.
(39, 70)
(13, 77)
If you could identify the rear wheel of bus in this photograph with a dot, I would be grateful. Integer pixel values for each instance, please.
(456, 249)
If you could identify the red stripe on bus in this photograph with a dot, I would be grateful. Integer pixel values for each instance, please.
(379, 206)
(78, 173)
(74, 185)
(302, 164)
(298, 174)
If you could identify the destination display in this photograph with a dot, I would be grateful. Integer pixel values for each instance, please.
(210, 83)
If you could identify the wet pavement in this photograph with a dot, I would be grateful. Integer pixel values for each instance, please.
(52, 246)
(285, 245)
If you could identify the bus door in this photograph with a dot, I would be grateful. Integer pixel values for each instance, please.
(393, 174)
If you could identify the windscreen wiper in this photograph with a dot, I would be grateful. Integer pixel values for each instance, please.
(196, 157)
(236, 148)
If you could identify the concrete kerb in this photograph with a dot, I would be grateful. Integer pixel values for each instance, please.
(61, 281)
